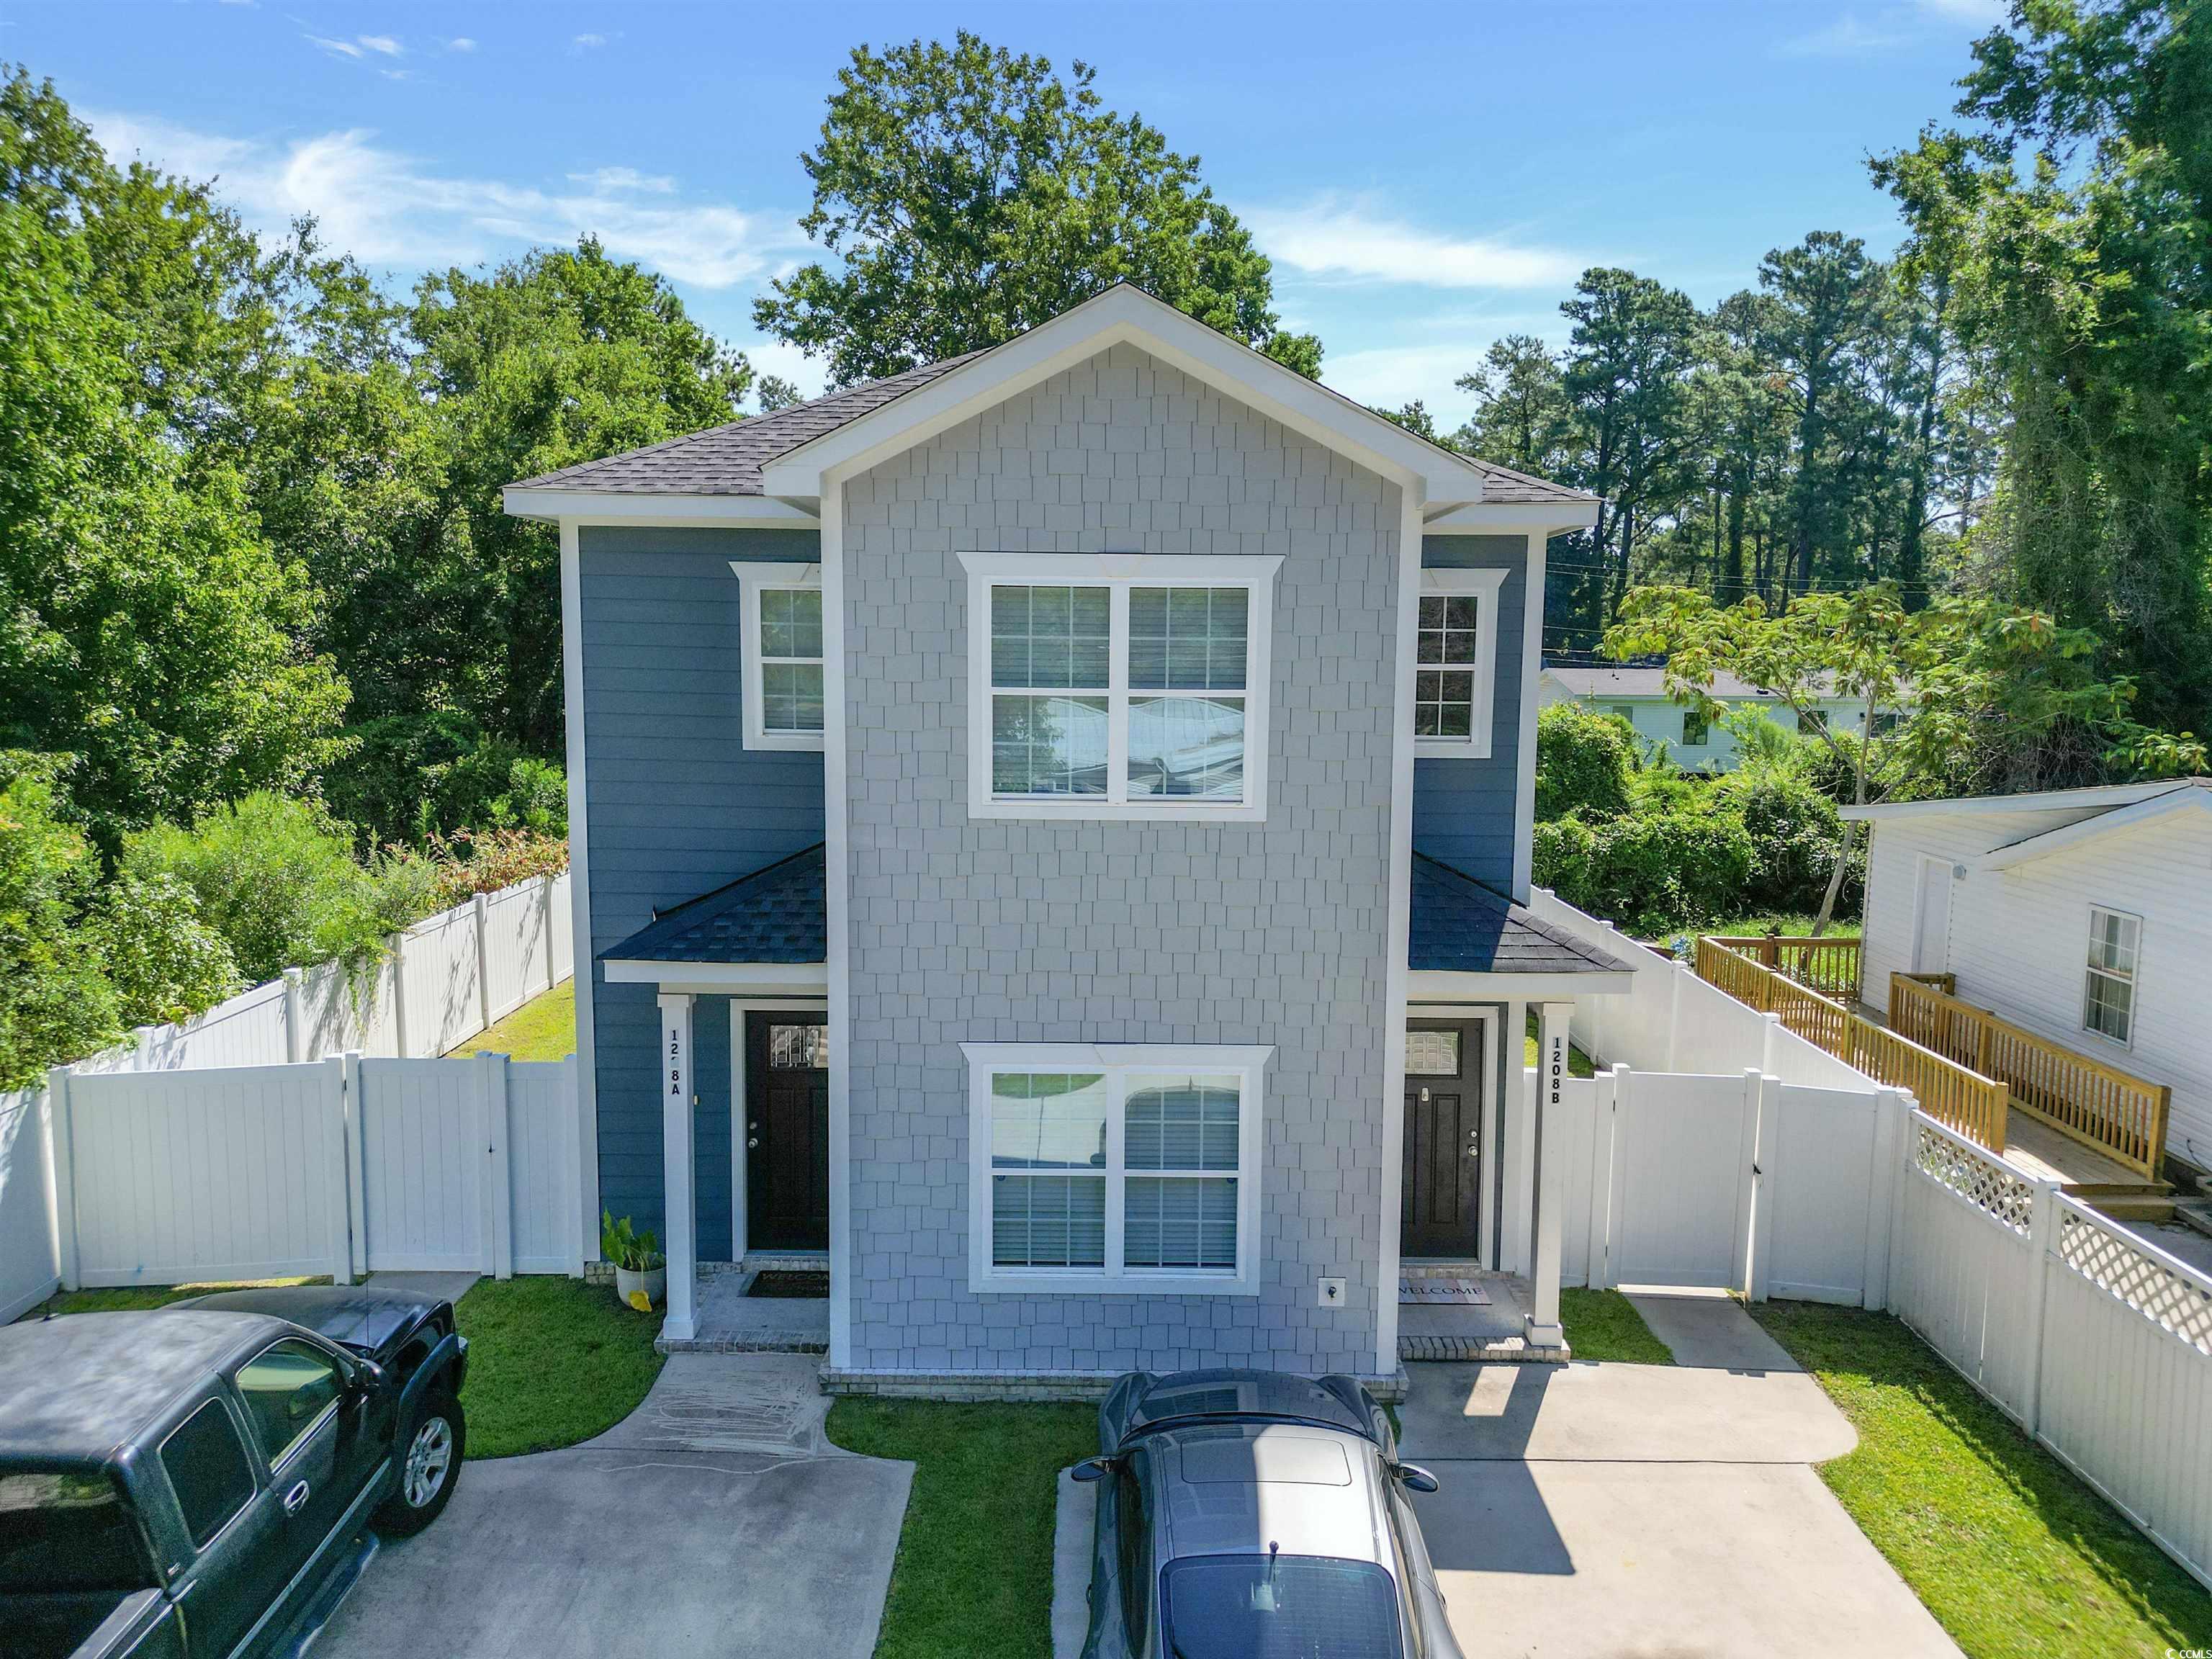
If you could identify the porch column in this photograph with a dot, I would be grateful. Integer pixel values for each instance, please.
(1543, 1330)
(676, 1104)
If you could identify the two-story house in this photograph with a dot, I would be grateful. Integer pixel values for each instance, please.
(1049, 827)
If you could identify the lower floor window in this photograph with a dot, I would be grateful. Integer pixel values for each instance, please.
(1122, 1165)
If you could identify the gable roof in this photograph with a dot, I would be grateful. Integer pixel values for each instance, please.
(735, 459)
(2195, 794)
(2096, 798)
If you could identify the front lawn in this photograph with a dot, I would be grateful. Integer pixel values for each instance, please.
(544, 1028)
(551, 1361)
(2013, 1554)
(973, 1572)
(1604, 1325)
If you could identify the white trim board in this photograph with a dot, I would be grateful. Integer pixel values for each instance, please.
(665, 509)
(755, 578)
(580, 948)
(1484, 584)
(1437, 985)
(2048, 800)
(2031, 847)
(722, 978)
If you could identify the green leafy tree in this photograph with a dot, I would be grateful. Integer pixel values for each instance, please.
(1521, 418)
(969, 193)
(56, 1004)
(1585, 762)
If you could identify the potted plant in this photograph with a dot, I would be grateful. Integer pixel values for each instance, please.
(641, 1270)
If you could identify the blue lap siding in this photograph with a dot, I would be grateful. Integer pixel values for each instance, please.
(1463, 808)
(675, 806)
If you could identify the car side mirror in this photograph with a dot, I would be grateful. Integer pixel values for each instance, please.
(1413, 1477)
(367, 1375)
(1093, 1468)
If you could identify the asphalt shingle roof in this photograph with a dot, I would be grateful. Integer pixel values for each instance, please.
(1462, 927)
(780, 914)
(727, 460)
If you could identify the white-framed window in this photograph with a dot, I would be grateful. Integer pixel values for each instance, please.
(1456, 662)
(1118, 685)
(2108, 996)
(781, 608)
(1106, 1168)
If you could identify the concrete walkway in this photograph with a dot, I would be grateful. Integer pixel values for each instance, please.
(716, 1519)
(1605, 1510)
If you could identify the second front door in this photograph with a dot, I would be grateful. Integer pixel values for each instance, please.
(786, 1132)
(1439, 1212)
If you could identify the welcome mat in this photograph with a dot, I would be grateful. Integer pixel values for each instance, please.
(1442, 1293)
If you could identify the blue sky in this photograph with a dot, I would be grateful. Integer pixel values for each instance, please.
(1426, 177)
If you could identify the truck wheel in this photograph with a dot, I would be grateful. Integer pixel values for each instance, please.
(429, 1458)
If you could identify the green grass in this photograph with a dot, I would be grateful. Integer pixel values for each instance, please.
(127, 1298)
(551, 1361)
(1578, 1063)
(1789, 924)
(1604, 1325)
(544, 1028)
(974, 1572)
(2012, 1553)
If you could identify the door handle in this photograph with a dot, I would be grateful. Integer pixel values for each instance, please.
(295, 1499)
(752, 1141)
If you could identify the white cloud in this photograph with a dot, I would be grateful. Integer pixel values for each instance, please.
(786, 361)
(1847, 37)
(388, 208)
(1389, 377)
(383, 43)
(460, 43)
(609, 180)
(584, 43)
(336, 48)
(1330, 238)
(1980, 12)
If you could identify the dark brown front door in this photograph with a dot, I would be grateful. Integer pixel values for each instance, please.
(786, 1132)
(1444, 1139)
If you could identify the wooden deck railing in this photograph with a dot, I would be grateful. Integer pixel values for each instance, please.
(2121, 1115)
(1828, 965)
(1952, 1094)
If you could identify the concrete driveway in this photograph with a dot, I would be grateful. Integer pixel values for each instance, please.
(716, 1520)
(1651, 1510)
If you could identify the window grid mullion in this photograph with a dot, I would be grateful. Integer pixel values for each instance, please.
(1117, 1094)
(1117, 695)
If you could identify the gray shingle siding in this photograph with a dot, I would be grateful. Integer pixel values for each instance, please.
(998, 931)
(676, 805)
(1463, 808)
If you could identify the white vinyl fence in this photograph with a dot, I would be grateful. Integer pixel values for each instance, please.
(443, 980)
(2093, 1340)
(341, 1167)
(27, 1276)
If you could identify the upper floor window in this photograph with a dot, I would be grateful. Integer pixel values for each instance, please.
(2108, 999)
(1118, 685)
(1456, 662)
(781, 606)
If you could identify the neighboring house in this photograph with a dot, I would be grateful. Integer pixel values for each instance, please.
(1049, 826)
(2084, 915)
(1638, 696)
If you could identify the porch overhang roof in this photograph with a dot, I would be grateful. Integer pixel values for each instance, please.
(1469, 940)
(768, 930)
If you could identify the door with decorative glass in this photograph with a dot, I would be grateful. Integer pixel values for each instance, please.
(786, 1132)
(1440, 1201)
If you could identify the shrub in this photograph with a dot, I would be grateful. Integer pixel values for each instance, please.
(55, 1002)
(276, 878)
(164, 961)
(1795, 831)
(486, 860)
(1584, 762)
(1648, 872)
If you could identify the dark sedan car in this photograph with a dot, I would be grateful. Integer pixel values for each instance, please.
(194, 1481)
(1252, 1515)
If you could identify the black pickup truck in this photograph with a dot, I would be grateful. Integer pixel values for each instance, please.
(193, 1482)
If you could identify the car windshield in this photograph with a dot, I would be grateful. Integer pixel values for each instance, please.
(1248, 1395)
(1279, 1606)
